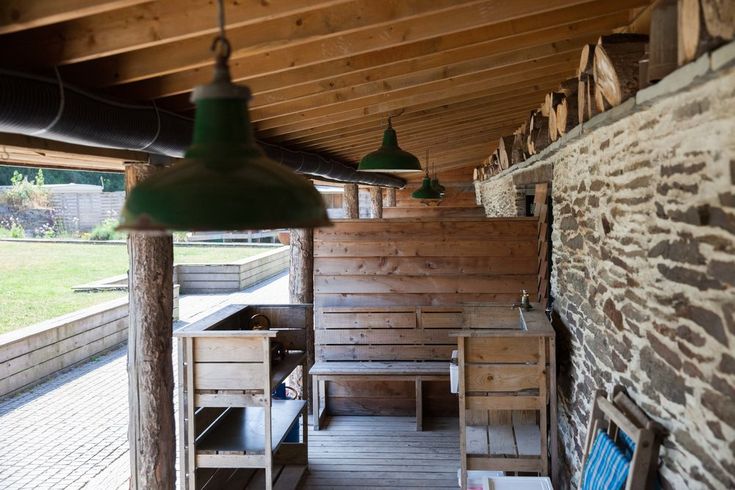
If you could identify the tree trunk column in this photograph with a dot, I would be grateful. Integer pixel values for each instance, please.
(390, 197)
(151, 432)
(301, 290)
(376, 202)
(351, 201)
(301, 273)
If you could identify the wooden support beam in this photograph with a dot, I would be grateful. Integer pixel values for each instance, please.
(420, 114)
(151, 433)
(301, 277)
(353, 71)
(390, 197)
(38, 152)
(151, 23)
(327, 26)
(463, 87)
(362, 49)
(376, 202)
(17, 15)
(351, 201)
(488, 64)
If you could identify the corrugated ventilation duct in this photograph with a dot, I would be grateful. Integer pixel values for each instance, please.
(43, 107)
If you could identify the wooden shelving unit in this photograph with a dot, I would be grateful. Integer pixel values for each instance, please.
(507, 396)
(232, 430)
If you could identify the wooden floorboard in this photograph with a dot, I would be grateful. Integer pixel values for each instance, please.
(383, 452)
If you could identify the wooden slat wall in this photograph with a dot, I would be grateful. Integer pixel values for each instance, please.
(410, 262)
(417, 262)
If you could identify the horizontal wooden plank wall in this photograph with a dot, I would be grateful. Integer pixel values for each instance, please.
(231, 277)
(411, 262)
(29, 355)
(416, 262)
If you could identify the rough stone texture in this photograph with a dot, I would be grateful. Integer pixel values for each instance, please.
(498, 196)
(644, 275)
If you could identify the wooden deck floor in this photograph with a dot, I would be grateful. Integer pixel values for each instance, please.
(383, 452)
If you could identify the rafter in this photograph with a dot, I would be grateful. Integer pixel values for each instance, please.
(150, 24)
(17, 15)
(562, 66)
(327, 25)
(348, 72)
(441, 31)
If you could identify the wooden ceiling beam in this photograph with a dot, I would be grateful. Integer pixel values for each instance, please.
(382, 111)
(140, 27)
(466, 133)
(561, 65)
(446, 120)
(332, 29)
(406, 40)
(18, 15)
(375, 123)
(28, 150)
(492, 64)
(334, 75)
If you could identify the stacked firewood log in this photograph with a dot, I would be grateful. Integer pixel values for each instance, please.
(613, 70)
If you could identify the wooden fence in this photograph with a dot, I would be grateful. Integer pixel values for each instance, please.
(29, 355)
(235, 276)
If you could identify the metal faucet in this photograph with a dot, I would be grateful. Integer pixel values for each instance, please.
(525, 303)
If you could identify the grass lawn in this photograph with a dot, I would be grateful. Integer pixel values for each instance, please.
(36, 278)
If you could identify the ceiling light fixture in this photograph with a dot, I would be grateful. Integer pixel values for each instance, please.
(426, 192)
(389, 158)
(225, 181)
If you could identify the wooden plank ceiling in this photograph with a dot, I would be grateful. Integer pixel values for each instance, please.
(325, 74)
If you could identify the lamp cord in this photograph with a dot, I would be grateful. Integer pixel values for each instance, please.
(223, 53)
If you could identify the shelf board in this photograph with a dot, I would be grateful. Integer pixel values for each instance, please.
(281, 369)
(241, 431)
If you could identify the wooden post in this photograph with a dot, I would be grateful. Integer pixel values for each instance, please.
(351, 201)
(390, 197)
(376, 202)
(301, 290)
(151, 432)
(301, 278)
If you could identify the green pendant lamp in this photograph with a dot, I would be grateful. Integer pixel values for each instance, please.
(426, 192)
(225, 181)
(435, 184)
(389, 158)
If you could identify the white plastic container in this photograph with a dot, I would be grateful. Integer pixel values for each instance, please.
(517, 483)
(454, 374)
(476, 478)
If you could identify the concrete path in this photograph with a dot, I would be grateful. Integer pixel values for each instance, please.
(71, 431)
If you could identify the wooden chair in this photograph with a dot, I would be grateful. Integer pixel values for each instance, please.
(622, 415)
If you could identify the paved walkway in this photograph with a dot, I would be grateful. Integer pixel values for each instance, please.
(71, 431)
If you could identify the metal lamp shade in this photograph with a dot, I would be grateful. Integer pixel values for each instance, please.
(389, 158)
(436, 185)
(225, 182)
(426, 191)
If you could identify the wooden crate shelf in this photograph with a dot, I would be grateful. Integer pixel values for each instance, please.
(233, 431)
(241, 429)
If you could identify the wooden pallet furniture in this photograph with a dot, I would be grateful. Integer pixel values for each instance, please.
(233, 431)
(621, 415)
(382, 344)
(507, 374)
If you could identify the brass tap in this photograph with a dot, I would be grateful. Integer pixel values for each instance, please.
(525, 303)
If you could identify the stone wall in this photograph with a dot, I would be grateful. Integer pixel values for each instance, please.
(644, 273)
(498, 196)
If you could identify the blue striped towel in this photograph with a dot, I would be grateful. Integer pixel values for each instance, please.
(626, 444)
(607, 467)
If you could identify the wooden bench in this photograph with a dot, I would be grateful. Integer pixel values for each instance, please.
(392, 343)
(418, 372)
